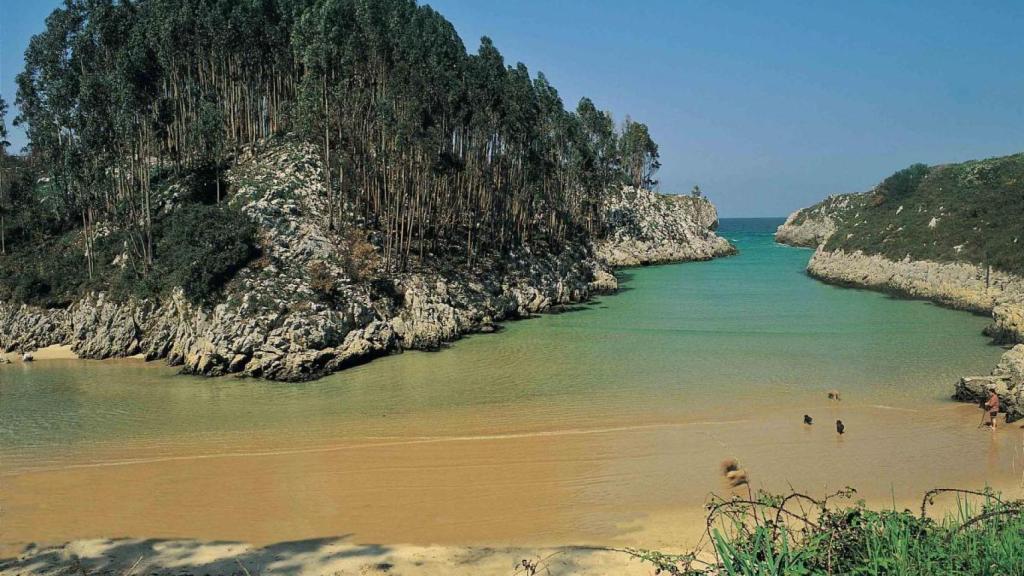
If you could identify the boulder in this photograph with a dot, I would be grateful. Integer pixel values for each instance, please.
(1007, 380)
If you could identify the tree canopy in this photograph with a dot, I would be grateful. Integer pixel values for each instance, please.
(438, 148)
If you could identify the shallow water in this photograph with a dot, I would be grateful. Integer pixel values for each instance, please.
(600, 425)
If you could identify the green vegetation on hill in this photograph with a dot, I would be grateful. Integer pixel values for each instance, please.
(433, 149)
(970, 212)
(198, 248)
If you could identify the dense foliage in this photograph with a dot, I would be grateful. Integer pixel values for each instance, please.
(201, 247)
(797, 535)
(902, 183)
(971, 212)
(439, 149)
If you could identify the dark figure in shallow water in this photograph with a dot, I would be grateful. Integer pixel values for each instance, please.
(834, 395)
(992, 407)
(840, 427)
(808, 420)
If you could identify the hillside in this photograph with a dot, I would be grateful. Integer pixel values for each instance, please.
(813, 225)
(136, 112)
(286, 187)
(303, 302)
(953, 234)
(971, 212)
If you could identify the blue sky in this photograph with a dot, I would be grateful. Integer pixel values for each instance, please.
(767, 107)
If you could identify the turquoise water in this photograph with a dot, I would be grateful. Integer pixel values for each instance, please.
(678, 342)
(589, 419)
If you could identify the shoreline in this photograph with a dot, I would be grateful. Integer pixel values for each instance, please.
(645, 527)
(605, 283)
(955, 285)
(277, 320)
(51, 352)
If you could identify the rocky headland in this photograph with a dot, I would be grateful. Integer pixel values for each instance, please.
(303, 310)
(951, 277)
(809, 227)
(651, 228)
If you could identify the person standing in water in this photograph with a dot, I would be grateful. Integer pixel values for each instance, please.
(992, 407)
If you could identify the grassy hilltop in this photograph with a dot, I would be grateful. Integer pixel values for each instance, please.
(969, 212)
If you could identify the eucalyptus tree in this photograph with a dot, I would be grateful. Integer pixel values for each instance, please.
(441, 151)
(639, 155)
(5, 177)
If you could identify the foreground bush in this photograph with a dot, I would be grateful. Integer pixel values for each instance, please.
(797, 535)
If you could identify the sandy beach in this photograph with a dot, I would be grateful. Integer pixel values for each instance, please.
(58, 352)
(55, 352)
(468, 505)
(312, 557)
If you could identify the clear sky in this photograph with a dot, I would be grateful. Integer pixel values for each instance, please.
(768, 106)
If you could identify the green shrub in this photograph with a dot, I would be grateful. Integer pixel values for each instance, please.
(201, 247)
(771, 535)
(51, 271)
(198, 247)
(904, 182)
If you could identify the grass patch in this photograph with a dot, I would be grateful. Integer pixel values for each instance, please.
(796, 534)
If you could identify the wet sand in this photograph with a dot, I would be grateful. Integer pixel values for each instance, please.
(55, 352)
(643, 485)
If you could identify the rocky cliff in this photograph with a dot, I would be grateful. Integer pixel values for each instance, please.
(652, 228)
(956, 277)
(300, 311)
(811, 226)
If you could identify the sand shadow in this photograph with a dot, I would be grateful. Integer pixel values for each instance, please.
(156, 556)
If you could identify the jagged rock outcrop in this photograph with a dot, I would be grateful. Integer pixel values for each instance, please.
(652, 228)
(1008, 323)
(297, 313)
(958, 285)
(1007, 380)
(811, 226)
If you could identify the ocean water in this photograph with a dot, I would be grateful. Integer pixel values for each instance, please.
(611, 415)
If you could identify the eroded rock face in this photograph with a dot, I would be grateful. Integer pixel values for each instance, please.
(288, 338)
(652, 228)
(26, 328)
(1008, 323)
(955, 284)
